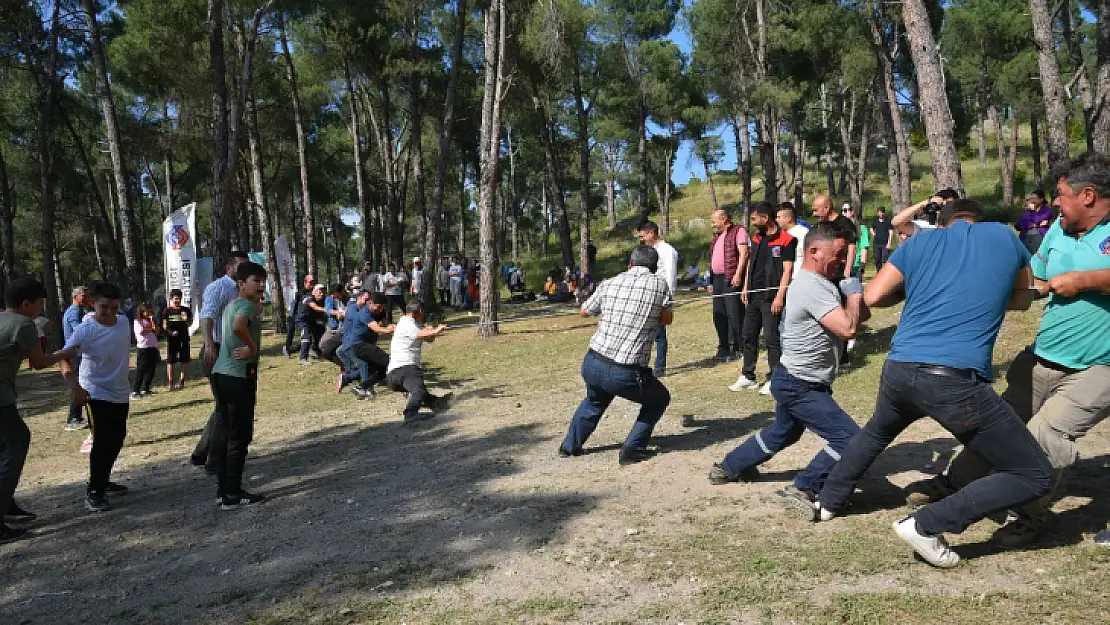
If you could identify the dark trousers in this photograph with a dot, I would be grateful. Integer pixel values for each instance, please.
(728, 313)
(881, 254)
(200, 453)
(291, 332)
(970, 410)
(310, 338)
(410, 380)
(757, 316)
(444, 298)
(799, 405)
(606, 380)
(15, 440)
(394, 300)
(660, 351)
(146, 361)
(76, 413)
(109, 427)
(234, 429)
(375, 359)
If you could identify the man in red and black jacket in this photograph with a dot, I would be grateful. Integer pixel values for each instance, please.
(728, 257)
(770, 267)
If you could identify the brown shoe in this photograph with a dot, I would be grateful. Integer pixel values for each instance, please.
(925, 492)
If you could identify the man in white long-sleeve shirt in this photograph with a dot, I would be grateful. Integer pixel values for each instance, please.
(668, 270)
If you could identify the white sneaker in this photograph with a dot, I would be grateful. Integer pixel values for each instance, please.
(765, 389)
(741, 384)
(86, 447)
(826, 514)
(934, 549)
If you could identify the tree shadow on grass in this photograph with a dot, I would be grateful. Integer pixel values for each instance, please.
(353, 509)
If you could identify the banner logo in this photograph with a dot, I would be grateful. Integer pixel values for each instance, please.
(177, 237)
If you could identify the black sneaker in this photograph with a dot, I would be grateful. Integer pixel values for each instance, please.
(97, 501)
(632, 456)
(441, 403)
(197, 461)
(17, 514)
(243, 499)
(718, 475)
(115, 489)
(564, 453)
(687, 420)
(12, 534)
(721, 357)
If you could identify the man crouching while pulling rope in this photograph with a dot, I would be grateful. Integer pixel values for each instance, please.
(818, 318)
(632, 306)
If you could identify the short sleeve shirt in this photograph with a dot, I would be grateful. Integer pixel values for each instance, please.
(404, 349)
(177, 320)
(882, 231)
(958, 281)
(1075, 331)
(17, 337)
(105, 357)
(226, 364)
(810, 352)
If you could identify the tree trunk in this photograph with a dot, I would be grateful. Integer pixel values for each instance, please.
(859, 177)
(462, 208)
(554, 178)
(133, 282)
(892, 114)
(981, 136)
(641, 150)
(665, 208)
(446, 131)
(930, 79)
(830, 182)
(744, 150)
(1035, 133)
(302, 152)
(1100, 115)
(167, 165)
(1056, 114)
(767, 156)
(1006, 159)
(264, 226)
(583, 133)
(45, 150)
(494, 68)
(365, 219)
(222, 221)
(7, 225)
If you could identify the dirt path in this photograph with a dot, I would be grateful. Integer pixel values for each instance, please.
(473, 518)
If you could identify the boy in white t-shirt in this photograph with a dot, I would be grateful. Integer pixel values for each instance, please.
(104, 344)
(403, 373)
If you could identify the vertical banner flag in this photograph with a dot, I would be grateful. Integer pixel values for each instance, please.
(179, 241)
(285, 267)
(259, 258)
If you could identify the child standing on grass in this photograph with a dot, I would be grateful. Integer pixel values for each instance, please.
(176, 320)
(235, 380)
(147, 356)
(23, 300)
(104, 345)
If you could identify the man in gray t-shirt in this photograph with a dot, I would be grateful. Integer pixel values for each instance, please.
(818, 317)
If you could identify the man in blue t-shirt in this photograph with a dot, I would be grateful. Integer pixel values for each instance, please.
(362, 358)
(958, 281)
(1060, 384)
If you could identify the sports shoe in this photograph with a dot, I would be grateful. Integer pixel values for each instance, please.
(76, 424)
(799, 502)
(721, 357)
(136, 395)
(719, 475)
(1019, 532)
(441, 403)
(927, 491)
(741, 384)
(564, 453)
(86, 447)
(97, 501)
(1102, 539)
(933, 549)
(115, 489)
(825, 514)
(363, 392)
(12, 534)
(305, 362)
(16, 514)
(687, 420)
(632, 456)
(148, 393)
(765, 389)
(241, 500)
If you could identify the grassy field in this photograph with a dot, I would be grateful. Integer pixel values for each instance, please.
(472, 518)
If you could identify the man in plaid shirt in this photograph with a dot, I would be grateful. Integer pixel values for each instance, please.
(632, 307)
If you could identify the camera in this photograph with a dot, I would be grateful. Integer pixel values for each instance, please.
(932, 211)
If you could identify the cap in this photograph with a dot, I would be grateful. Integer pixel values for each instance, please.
(319, 287)
(415, 259)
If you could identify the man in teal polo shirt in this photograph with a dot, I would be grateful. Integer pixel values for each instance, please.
(1061, 384)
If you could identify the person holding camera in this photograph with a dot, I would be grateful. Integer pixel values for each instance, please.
(923, 215)
(958, 281)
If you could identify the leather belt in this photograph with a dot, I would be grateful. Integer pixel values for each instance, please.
(970, 375)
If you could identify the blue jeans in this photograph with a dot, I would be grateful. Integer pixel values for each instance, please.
(353, 368)
(799, 405)
(660, 351)
(966, 406)
(604, 381)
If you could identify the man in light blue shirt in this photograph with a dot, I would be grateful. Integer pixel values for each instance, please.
(72, 318)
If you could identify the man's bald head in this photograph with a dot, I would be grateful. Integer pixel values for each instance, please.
(720, 220)
(823, 207)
